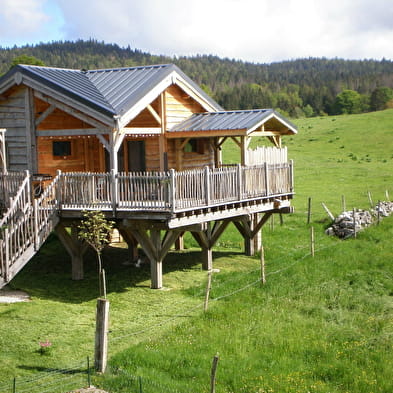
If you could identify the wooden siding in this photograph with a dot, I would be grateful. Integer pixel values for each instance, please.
(13, 119)
(57, 119)
(145, 118)
(83, 156)
(179, 106)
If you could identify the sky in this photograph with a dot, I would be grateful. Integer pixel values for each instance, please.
(259, 31)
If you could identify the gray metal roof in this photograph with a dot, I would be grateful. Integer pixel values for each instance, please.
(229, 120)
(110, 91)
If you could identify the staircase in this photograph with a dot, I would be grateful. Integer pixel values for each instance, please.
(25, 225)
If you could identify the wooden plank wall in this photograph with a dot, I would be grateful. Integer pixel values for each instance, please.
(179, 106)
(86, 156)
(13, 118)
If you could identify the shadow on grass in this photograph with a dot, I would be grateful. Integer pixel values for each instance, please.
(48, 274)
(68, 371)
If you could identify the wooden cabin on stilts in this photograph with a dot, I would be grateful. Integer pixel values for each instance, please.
(141, 144)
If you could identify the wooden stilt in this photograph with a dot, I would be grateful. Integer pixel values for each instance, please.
(207, 239)
(155, 249)
(249, 230)
(132, 243)
(75, 248)
(179, 243)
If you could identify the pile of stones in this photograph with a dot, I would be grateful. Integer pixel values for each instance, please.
(346, 225)
(383, 208)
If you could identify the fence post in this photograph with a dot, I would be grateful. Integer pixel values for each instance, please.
(354, 222)
(292, 186)
(115, 195)
(267, 178)
(172, 189)
(239, 182)
(7, 254)
(58, 187)
(36, 229)
(14, 386)
(309, 211)
(370, 199)
(263, 276)
(101, 339)
(208, 287)
(88, 372)
(312, 241)
(207, 185)
(213, 374)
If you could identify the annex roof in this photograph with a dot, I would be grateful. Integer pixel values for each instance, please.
(119, 92)
(243, 121)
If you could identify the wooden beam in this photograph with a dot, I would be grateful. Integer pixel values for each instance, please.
(154, 113)
(142, 130)
(72, 132)
(75, 248)
(103, 141)
(239, 143)
(73, 112)
(45, 114)
(31, 148)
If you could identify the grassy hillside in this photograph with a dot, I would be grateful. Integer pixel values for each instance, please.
(321, 324)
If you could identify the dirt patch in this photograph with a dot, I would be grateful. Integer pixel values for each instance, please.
(11, 296)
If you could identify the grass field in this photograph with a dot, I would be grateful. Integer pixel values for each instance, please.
(322, 324)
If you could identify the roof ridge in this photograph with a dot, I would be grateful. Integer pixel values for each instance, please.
(129, 68)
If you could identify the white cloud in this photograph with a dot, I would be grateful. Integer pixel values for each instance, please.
(20, 19)
(253, 30)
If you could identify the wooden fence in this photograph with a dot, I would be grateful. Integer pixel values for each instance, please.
(25, 226)
(172, 191)
(262, 154)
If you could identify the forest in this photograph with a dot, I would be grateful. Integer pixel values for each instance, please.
(297, 88)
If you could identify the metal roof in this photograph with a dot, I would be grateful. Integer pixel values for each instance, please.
(110, 91)
(229, 120)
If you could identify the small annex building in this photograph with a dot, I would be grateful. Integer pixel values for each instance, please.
(57, 123)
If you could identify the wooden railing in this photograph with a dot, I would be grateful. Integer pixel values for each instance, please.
(172, 191)
(25, 226)
(10, 184)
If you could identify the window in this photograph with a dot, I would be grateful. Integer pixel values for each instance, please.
(195, 146)
(61, 148)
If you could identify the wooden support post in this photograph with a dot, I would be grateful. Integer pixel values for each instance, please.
(132, 243)
(155, 249)
(249, 249)
(75, 248)
(156, 262)
(101, 338)
(179, 243)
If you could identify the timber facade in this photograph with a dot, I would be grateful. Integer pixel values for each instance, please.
(142, 145)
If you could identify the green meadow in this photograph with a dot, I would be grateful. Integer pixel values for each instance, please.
(321, 324)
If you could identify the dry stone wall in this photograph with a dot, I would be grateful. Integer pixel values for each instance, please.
(350, 222)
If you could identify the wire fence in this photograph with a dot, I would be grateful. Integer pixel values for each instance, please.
(57, 380)
(65, 380)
